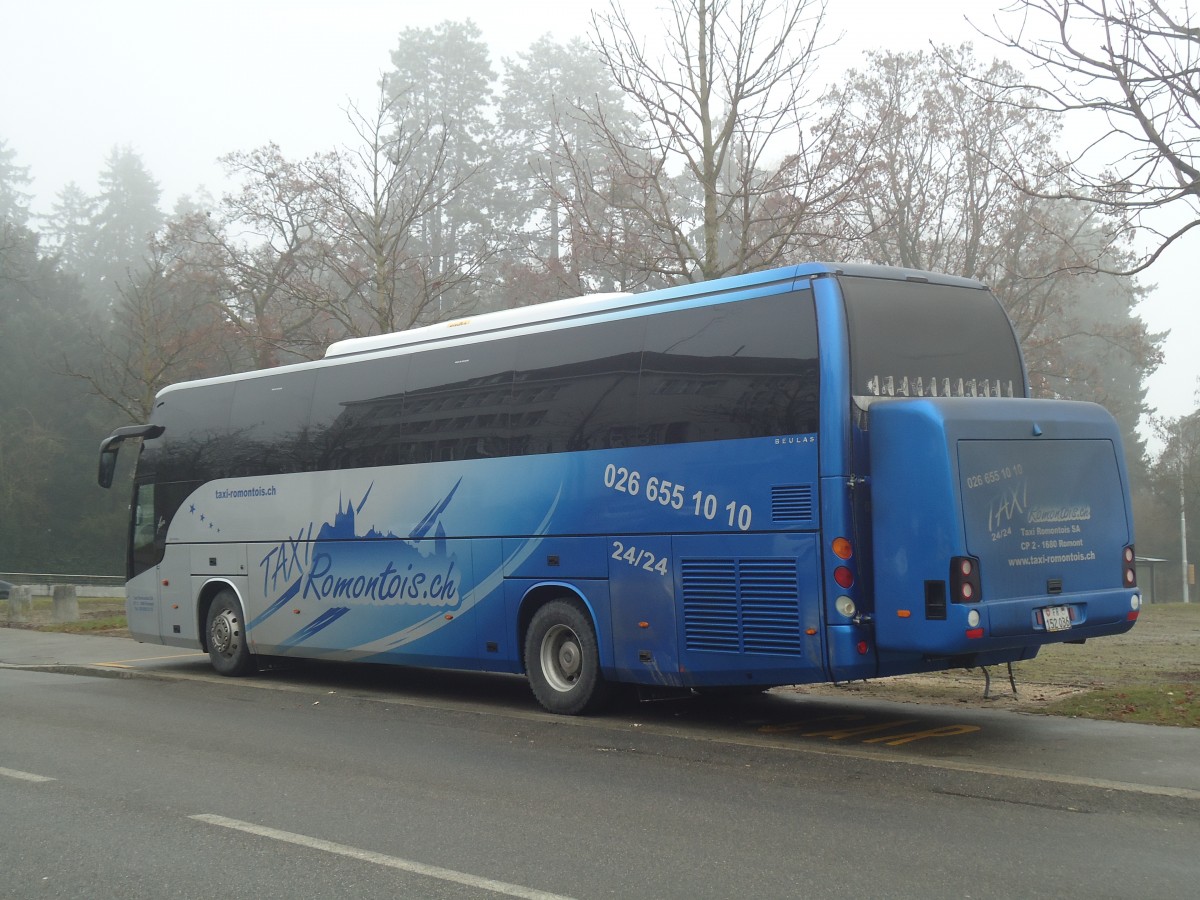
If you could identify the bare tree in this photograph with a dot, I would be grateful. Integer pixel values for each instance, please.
(378, 194)
(263, 254)
(1133, 64)
(728, 97)
(936, 193)
(164, 329)
(1169, 526)
(939, 194)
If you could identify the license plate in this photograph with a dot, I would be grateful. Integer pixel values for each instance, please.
(1056, 618)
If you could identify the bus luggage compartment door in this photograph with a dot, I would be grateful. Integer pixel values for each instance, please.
(999, 524)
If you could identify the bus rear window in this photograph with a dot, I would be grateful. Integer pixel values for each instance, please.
(914, 339)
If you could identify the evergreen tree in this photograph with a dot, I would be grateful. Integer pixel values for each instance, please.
(125, 218)
(441, 86)
(14, 200)
(51, 517)
(544, 134)
(69, 227)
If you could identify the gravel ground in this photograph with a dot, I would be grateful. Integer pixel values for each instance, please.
(1163, 648)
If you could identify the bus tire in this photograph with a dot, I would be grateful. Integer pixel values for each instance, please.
(225, 636)
(562, 659)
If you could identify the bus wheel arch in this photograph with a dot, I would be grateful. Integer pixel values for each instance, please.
(561, 653)
(223, 631)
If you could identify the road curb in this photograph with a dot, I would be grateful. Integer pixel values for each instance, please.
(70, 669)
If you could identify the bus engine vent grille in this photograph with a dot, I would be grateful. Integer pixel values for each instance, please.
(741, 606)
(792, 503)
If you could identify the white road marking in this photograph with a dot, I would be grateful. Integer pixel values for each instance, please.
(380, 859)
(23, 776)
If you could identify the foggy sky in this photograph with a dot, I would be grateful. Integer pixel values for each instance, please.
(184, 83)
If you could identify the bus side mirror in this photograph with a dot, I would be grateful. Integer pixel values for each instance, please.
(111, 444)
(108, 465)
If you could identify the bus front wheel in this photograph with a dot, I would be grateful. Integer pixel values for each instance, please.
(562, 659)
(228, 646)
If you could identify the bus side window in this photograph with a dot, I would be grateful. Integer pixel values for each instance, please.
(269, 424)
(576, 388)
(731, 370)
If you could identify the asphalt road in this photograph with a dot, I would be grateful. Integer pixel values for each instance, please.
(366, 782)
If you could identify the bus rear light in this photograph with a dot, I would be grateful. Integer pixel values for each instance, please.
(862, 648)
(1129, 567)
(846, 606)
(843, 576)
(1132, 615)
(842, 548)
(964, 580)
(974, 634)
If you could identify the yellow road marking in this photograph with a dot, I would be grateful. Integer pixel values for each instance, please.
(125, 663)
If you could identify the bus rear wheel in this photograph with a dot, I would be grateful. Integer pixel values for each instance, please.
(562, 660)
(225, 630)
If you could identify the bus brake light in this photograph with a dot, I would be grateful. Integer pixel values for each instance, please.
(965, 584)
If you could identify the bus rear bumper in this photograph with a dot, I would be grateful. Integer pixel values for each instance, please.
(1015, 623)
(1093, 614)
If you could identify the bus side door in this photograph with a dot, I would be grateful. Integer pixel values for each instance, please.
(143, 592)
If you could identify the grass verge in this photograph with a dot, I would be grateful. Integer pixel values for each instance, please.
(1150, 674)
(1165, 704)
(97, 615)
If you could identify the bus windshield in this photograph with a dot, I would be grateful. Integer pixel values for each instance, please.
(914, 339)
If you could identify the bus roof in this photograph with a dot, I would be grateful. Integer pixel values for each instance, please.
(574, 307)
(584, 307)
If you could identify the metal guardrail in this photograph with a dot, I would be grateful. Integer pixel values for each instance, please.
(61, 578)
(43, 583)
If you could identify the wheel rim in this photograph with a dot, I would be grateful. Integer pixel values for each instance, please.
(562, 658)
(223, 638)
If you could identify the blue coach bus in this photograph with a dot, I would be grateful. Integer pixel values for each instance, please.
(814, 473)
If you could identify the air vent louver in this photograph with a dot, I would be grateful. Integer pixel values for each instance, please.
(741, 606)
(792, 503)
